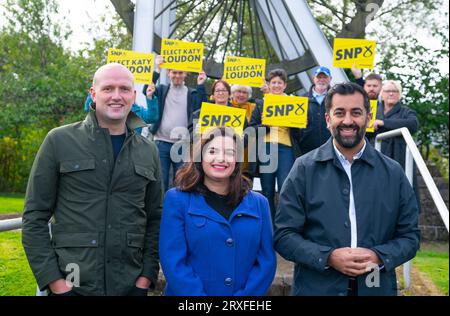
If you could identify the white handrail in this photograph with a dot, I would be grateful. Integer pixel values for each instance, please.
(413, 153)
(428, 179)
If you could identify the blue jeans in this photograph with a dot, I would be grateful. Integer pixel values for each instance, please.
(166, 162)
(285, 161)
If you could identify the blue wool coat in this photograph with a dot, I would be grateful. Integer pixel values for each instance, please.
(202, 253)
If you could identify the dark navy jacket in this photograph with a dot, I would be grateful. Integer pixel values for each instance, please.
(313, 219)
(316, 133)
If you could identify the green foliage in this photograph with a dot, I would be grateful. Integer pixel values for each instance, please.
(425, 85)
(16, 278)
(435, 266)
(42, 84)
(11, 203)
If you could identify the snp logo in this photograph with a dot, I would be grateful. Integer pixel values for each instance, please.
(169, 43)
(73, 278)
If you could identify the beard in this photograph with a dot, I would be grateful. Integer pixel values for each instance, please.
(372, 95)
(349, 142)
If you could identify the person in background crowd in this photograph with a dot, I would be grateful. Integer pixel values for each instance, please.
(176, 104)
(347, 215)
(240, 98)
(316, 133)
(216, 234)
(393, 114)
(283, 139)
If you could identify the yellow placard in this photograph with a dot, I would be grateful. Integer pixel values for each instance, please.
(140, 64)
(348, 52)
(213, 115)
(283, 110)
(373, 110)
(244, 71)
(180, 55)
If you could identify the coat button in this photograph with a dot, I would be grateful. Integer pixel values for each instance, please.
(76, 166)
(228, 281)
(104, 160)
(94, 242)
(346, 224)
(230, 242)
(345, 191)
(320, 259)
(109, 226)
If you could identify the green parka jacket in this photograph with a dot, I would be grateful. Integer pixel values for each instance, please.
(104, 215)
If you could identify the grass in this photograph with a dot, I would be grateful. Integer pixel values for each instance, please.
(434, 264)
(11, 203)
(16, 277)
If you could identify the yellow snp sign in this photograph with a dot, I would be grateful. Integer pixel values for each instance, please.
(244, 71)
(213, 115)
(373, 110)
(140, 64)
(348, 52)
(180, 55)
(282, 110)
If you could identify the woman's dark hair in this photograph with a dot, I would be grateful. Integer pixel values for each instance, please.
(277, 73)
(190, 177)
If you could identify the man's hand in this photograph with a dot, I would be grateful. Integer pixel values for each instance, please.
(158, 61)
(356, 72)
(59, 287)
(377, 124)
(350, 261)
(373, 257)
(143, 282)
(150, 90)
(201, 78)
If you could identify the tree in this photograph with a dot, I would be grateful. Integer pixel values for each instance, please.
(42, 84)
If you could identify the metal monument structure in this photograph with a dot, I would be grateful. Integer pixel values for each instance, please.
(284, 32)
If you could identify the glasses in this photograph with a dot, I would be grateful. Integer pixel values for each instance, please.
(221, 91)
(240, 91)
(391, 91)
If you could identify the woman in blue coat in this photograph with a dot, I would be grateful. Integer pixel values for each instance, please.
(216, 234)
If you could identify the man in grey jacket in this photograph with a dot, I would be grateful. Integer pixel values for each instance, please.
(347, 214)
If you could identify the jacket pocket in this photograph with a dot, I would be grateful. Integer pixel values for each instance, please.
(77, 252)
(69, 166)
(135, 248)
(140, 178)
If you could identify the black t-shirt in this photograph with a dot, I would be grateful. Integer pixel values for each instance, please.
(117, 143)
(219, 203)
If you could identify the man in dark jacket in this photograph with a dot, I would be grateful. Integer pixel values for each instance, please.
(99, 183)
(347, 215)
(316, 132)
(176, 104)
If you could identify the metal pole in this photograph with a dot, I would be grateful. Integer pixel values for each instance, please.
(143, 36)
(409, 165)
(165, 31)
(10, 224)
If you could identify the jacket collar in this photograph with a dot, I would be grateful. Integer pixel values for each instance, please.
(133, 121)
(326, 153)
(395, 109)
(198, 206)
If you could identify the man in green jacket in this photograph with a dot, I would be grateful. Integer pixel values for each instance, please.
(99, 184)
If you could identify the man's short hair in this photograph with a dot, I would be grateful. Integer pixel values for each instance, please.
(374, 76)
(347, 88)
(277, 73)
